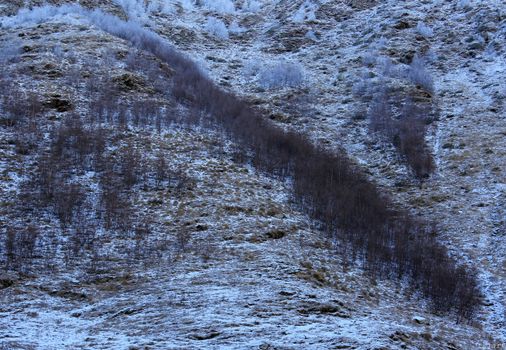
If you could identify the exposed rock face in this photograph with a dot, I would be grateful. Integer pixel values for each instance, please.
(129, 82)
(58, 103)
(7, 280)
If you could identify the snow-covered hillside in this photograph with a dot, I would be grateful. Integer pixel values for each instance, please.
(229, 262)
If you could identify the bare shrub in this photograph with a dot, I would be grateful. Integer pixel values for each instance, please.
(182, 239)
(20, 246)
(67, 198)
(141, 232)
(14, 107)
(84, 235)
(411, 143)
(10, 52)
(337, 195)
(381, 115)
(25, 140)
(130, 161)
(406, 132)
(160, 168)
(361, 88)
(410, 140)
(10, 245)
(116, 208)
(33, 106)
(73, 77)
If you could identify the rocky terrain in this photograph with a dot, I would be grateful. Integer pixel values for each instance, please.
(229, 261)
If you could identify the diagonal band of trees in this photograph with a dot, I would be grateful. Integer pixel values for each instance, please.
(327, 185)
(335, 192)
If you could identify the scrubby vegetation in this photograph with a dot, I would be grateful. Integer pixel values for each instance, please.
(371, 231)
(217, 28)
(418, 75)
(88, 171)
(332, 190)
(406, 131)
(281, 74)
(400, 117)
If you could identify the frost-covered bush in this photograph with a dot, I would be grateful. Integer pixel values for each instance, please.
(135, 9)
(365, 86)
(132, 6)
(235, 28)
(311, 35)
(418, 74)
(281, 74)
(220, 6)
(169, 6)
(217, 28)
(360, 88)
(389, 69)
(133, 31)
(424, 30)
(463, 5)
(38, 14)
(306, 12)
(381, 43)
(157, 6)
(251, 6)
(251, 68)
(386, 66)
(369, 58)
(58, 52)
(10, 52)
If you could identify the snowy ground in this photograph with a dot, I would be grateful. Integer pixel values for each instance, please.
(234, 287)
(466, 195)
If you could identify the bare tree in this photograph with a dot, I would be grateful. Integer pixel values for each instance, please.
(160, 168)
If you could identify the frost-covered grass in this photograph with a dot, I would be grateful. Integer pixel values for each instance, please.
(189, 84)
(352, 138)
(131, 30)
(10, 51)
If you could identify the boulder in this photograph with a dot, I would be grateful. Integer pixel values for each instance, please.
(58, 103)
(7, 280)
(420, 320)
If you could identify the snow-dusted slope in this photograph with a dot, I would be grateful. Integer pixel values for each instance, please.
(234, 285)
(463, 44)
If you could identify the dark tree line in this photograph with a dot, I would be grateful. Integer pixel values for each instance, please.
(328, 186)
(336, 193)
(406, 132)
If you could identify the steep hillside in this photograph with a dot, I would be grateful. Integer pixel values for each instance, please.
(142, 226)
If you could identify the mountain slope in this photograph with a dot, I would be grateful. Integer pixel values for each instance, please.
(225, 252)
